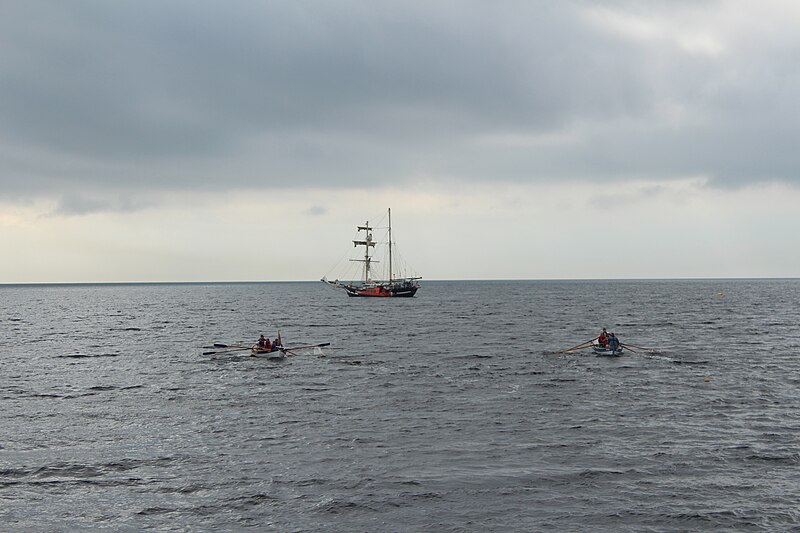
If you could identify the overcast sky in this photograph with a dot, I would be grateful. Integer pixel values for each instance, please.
(245, 140)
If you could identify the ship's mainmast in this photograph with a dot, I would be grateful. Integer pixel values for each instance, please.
(390, 245)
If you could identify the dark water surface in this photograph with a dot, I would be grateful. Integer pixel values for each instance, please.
(446, 412)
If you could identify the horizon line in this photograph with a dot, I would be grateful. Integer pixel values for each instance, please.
(245, 282)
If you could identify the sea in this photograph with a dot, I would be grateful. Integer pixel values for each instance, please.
(453, 411)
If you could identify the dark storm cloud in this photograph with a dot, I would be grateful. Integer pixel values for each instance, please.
(108, 96)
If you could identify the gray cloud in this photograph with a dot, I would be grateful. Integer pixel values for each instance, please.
(316, 210)
(107, 96)
(79, 204)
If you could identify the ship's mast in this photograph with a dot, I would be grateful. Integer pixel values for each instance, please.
(390, 245)
(366, 243)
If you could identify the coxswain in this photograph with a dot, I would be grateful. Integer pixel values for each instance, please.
(602, 340)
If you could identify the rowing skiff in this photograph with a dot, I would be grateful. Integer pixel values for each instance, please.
(606, 350)
(278, 353)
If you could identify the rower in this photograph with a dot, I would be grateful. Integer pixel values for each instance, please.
(613, 341)
(602, 340)
(263, 343)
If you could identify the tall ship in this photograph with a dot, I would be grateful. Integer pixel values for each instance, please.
(392, 284)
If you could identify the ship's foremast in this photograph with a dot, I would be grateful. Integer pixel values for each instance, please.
(367, 243)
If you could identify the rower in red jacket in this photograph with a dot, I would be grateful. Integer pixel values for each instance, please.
(603, 338)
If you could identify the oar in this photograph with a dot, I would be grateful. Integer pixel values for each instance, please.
(643, 349)
(235, 349)
(289, 350)
(627, 347)
(640, 347)
(581, 345)
(308, 346)
(220, 345)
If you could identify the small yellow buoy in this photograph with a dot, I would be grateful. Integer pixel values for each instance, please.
(707, 380)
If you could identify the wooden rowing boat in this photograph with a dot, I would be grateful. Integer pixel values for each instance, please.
(276, 353)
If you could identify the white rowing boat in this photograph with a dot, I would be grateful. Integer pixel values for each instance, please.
(607, 350)
(275, 353)
(279, 352)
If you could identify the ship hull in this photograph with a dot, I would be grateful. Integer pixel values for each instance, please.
(381, 291)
